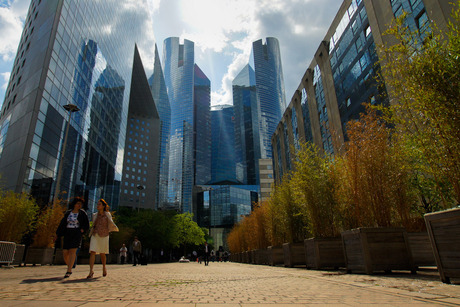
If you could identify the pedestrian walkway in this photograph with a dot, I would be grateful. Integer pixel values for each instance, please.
(229, 284)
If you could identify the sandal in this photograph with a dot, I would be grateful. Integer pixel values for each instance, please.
(104, 273)
(67, 275)
(90, 275)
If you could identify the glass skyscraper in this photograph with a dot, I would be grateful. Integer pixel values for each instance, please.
(189, 97)
(202, 127)
(160, 96)
(71, 52)
(247, 119)
(223, 161)
(270, 89)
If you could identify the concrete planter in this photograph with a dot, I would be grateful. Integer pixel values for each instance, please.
(294, 254)
(58, 257)
(420, 245)
(444, 232)
(39, 255)
(261, 256)
(253, 256)
(245, 257)
(368, 250)
(19, 254)
(275, 255)
(321, 253)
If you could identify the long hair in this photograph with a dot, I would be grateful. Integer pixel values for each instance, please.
(75, 200)
(104, 203)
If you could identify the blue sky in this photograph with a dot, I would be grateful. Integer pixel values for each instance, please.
(223, 32)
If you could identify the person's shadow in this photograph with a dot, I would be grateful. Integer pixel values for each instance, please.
(61, 279)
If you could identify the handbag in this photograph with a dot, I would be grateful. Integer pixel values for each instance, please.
(112, 226)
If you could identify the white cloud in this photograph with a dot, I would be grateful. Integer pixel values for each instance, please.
(12, 16)
(11, 22)
(226, 28)
(4, 78)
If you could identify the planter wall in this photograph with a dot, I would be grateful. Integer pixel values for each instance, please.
(39, 255)
(59, 256)
(323, 253)
(368, 250)
(294, 254)
(245, 257)
(444, 232)
(19, 254)
(420, 245)
(275, 255)
(253, 256)
(261, 256)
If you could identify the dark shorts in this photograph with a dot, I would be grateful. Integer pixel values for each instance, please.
(72, 238)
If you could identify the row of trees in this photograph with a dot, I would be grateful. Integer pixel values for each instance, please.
(158, 230)
(23, 221)
(400, 161)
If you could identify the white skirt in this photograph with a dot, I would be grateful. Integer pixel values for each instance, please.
(100, 245)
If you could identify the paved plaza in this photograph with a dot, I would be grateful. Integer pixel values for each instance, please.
(229, 284)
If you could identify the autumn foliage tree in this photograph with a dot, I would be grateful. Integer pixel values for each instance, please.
(422, 74)
(313, 182)
(374, 185)
(18, 212)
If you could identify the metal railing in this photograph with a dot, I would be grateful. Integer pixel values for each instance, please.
(7, 250)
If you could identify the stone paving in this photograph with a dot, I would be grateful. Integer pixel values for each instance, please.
(229, 284)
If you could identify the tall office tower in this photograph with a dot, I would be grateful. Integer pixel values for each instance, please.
(202, 127)
(160, 96)
(142, 145)
(343, 74)
(247, 137)
(270, 89)
(67, 57)
(189, 96)
(223, 156)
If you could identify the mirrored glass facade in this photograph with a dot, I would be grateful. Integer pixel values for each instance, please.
(179, 61)
(189, 92)
(223, 161)
(270, 89)
(247, 135)
(344, 72)
(354, 65)
(224, 205)
(160, 96)
(202, 128)
(71, 52)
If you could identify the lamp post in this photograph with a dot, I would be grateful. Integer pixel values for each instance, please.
(140, 188)
(69, 108)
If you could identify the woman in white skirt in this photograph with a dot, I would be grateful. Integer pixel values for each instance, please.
(99, 244)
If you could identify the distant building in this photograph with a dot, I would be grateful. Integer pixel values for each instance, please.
(247, 121)
(160, 96)
(140, 165)
(190, 136)
(64, 57)
(223, 156)
(220, 207)
(270, 90)
(342, 75)
(202, 127)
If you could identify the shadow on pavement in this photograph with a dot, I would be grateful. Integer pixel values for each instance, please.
(54, 279)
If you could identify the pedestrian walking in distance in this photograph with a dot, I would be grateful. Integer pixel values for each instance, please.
(72, 226)
(123, 253)
(137, 250)
(206, 253)
(99, 244)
